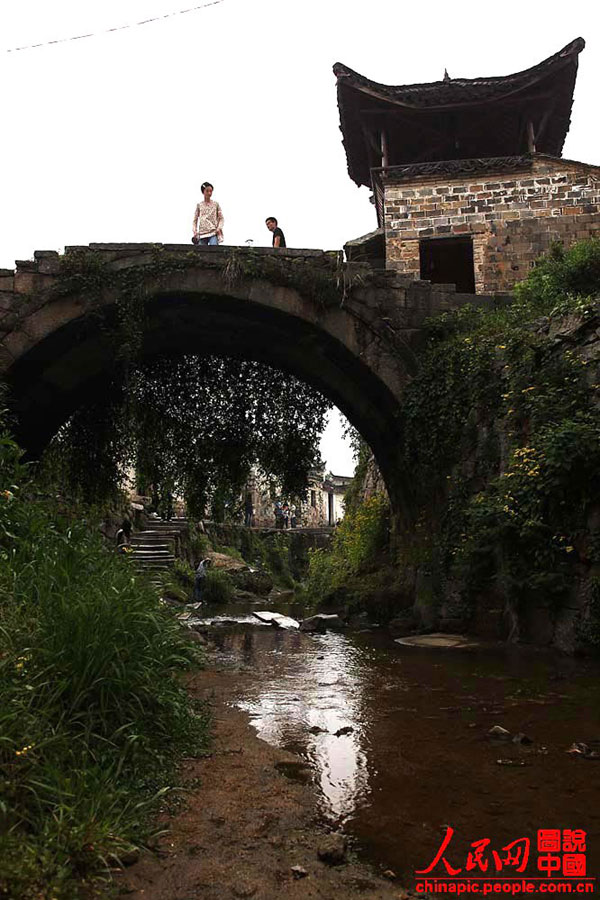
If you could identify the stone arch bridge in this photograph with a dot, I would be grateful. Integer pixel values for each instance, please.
(350, 331)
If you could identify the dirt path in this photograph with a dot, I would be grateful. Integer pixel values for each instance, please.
(246, 825)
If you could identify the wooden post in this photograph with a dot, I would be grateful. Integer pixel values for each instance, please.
(373, 149)
(385, 159)
(530, 137)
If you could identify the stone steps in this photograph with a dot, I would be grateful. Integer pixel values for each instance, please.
(154, 547)
(149, 556)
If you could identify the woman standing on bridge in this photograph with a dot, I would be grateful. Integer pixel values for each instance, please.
(208, 219)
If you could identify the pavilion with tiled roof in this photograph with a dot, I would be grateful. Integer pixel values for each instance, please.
(467, 174)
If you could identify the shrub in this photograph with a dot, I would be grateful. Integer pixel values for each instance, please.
(277, 559)
(178, 582)
(92, 713)
(534, 513)
(560, 273)
(200, 543)
(589, 624)
(252, 547)
(218, 587)
(357, 545)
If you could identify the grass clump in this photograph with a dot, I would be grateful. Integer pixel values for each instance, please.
(178, 582)
(278, 561)
(218, 587)
(358, 543)
(92, 712)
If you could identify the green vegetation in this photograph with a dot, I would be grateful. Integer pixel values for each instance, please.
(177, 583)
(563, 276)
(195, 425)
(502, 439)
(282, 555)
(362, 457)
(272, 559)
(356, 569)
(326, 283)
(358, 544)
(500, 454)
(93, 715)
(218, 587)
(277, 559)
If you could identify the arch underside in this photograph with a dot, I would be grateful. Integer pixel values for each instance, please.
(71, 366)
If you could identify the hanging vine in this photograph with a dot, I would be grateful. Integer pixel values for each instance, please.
(196, 426)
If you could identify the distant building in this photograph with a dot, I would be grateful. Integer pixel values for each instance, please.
(323, 505)
(335, 487)
(314, 508)
(467, 176)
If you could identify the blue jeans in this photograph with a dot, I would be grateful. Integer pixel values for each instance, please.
(211, 241)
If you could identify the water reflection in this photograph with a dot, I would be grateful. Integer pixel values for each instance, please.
(417, 757)
(300, 698)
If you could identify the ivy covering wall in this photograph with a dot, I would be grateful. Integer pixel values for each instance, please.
(501, 464)
(502, 448)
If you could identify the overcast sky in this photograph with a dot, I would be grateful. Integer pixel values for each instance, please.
(109, 138)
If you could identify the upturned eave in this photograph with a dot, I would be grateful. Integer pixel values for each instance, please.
(543, 93)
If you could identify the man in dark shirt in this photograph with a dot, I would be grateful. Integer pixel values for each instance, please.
(278, 235)
(200, 579)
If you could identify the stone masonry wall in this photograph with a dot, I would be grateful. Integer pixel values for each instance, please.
(512, 218)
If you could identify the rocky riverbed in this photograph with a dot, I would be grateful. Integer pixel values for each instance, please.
(385, 744)
(251, 826)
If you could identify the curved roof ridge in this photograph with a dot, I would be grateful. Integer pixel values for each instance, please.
(568, 54)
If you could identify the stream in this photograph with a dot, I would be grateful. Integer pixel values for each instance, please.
(412, 754)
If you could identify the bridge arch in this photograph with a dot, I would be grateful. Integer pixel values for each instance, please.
(55, 352)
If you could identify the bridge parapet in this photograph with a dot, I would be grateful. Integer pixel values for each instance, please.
(387, 296)
(41, 272)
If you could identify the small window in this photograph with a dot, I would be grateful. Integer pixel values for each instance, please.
(448, 261)
(313, 499)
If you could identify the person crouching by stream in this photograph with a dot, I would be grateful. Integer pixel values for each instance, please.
(208, 219)
(200, 579)
(123, 537)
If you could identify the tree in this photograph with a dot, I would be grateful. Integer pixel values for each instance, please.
(195, 425)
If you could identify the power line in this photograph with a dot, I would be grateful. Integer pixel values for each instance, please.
(80, 37)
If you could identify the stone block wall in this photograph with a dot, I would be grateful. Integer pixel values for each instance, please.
(512, 218)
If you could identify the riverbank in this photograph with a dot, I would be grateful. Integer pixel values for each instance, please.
(93, 713)
(246, 824)
(394, 743)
